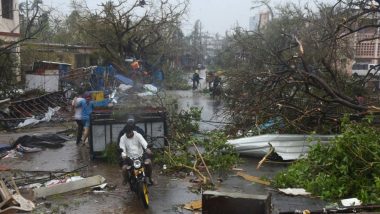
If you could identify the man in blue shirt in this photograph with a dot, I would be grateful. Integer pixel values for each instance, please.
(87, 107)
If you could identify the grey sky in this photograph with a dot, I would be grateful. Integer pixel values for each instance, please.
(217, 16)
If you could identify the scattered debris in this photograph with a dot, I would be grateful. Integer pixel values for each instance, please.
(194, 205)
(31, 186)
(34, 121)
(35, 179)
(123, 87)
(27, 144)
(4, 105)
(294, 191)
(204, 163)
(67, 187)
(13, 154)
(45, 141)
(253, 178)
(4, 168)
(35, 106)
(195, 180)
(99, 187)
(351, 202)
(271, 150)
(151, 88)
(25, 149)
(13, 202)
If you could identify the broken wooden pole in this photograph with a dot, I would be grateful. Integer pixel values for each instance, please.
(204, 163)
(266, 156)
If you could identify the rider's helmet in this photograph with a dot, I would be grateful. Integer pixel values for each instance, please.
(131, 121)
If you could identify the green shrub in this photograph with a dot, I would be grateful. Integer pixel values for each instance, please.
(111, 153)
(349, 166)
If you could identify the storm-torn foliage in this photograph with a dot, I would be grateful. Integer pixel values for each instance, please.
(205, 155)
(127, 29)
(346, 167)
(294, 69)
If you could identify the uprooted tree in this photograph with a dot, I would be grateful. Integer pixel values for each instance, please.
(294, 69)
(138, 29)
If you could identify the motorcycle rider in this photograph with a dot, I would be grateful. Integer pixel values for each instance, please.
(131, 122)
(134, 145)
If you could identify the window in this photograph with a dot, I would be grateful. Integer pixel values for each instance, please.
(360, 67)
(7, 9)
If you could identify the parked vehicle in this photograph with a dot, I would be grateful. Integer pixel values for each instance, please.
(138, 181)
(362, 69)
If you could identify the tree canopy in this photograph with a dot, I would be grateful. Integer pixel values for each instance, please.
(294, 69)
(129, 29)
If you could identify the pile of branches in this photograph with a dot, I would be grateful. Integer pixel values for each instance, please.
(204, 155)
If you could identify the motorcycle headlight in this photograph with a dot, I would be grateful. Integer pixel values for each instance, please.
(137, 164)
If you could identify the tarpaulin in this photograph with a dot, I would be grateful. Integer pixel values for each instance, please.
(124, 79)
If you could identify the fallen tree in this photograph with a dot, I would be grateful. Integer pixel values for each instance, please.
(295, 68)
(347, 167)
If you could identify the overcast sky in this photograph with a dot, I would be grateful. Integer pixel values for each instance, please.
(217, 16)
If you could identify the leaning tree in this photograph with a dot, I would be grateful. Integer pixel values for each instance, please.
(293, 72)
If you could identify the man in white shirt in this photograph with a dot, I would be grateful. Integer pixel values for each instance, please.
(78, 116)
(134, 145)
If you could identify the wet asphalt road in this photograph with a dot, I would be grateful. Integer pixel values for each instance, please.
(168, 196)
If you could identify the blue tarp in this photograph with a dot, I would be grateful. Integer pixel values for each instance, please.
(271, 123)
(123, 79)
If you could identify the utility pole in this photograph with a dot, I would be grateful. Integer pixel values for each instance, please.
(27, 10)
(200, 44)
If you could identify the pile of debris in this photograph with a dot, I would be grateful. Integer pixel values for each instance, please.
(32, 110)
(31, 144)
(41, 184)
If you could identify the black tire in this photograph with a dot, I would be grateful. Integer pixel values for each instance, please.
(143, 194)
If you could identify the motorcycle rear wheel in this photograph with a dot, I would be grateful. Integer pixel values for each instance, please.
(143, 194)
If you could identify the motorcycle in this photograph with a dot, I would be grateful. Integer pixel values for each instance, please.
(138, 181)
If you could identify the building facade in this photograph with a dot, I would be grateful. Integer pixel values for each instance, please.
(367, 51)
(259, 20)
(10, 29)
(9, 21)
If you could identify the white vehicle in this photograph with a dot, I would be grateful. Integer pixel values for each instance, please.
(361, 69)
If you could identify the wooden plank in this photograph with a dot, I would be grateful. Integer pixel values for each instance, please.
(253, 178)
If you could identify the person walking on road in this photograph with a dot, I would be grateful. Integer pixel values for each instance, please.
(78, 116)
(196, 79)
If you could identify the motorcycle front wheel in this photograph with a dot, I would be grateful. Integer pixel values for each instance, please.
(144, 194)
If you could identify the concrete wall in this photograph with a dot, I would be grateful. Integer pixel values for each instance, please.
(221, 202)
(48, 83)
